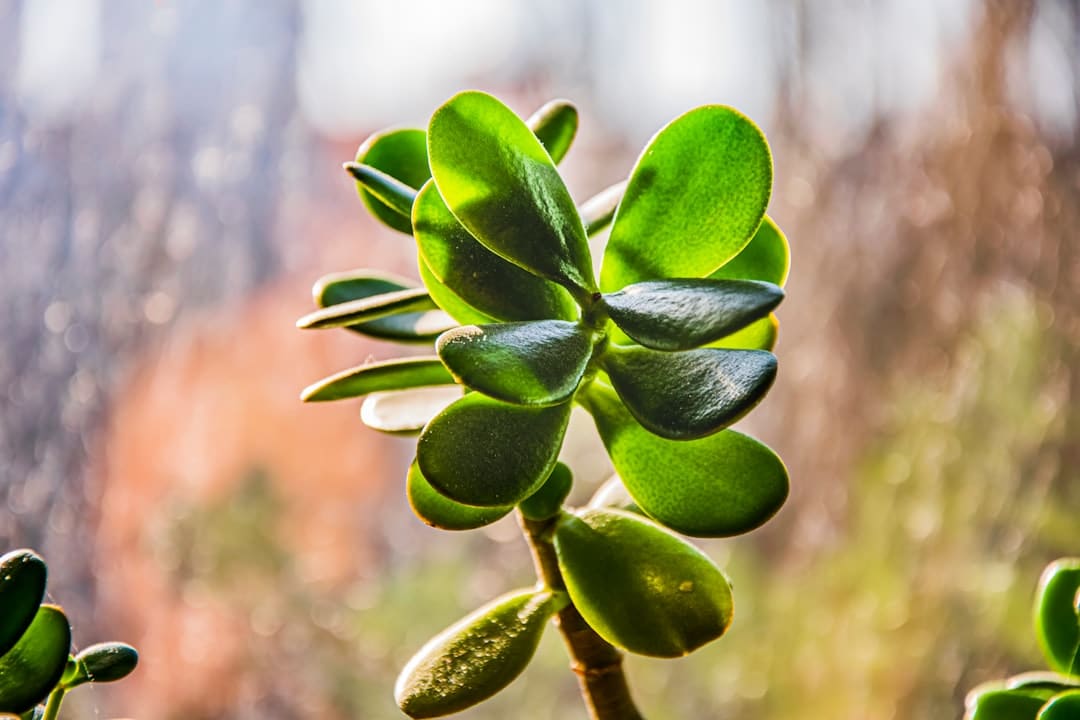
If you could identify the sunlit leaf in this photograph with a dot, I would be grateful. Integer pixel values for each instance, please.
(101, 663)
(766, 257)
(448, 300)
(406, 412)
(367, 309)
(1019, 704)
(401, 154)
(1057, 624)
(442, 512)
(372, 377)
(22, 587)
(555, 124)
(393, 193)
(1065, 706)
(547, 501)
(598, 211)
(31, 669)
(341, 287)
(758, 335)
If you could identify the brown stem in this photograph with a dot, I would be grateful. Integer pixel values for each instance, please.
(595, 661)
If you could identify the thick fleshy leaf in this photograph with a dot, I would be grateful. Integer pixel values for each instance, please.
(448, 300)
(528, 363)
(442, 512)
(498, 180)
(1041, 680)
(639, 586)
(401, 154)
(1065, 706)
(393, 193)
(1057, 618)
(996, 704)
(690, 394)
(547, 501)
(694, 200)
(476, 657)
(22, 588)
(555, 124)
(758, 335)
(766, 257)
(406, 412)
(485, 452)
(478, 276)
(31, 669)
(398, 374)
(721, 485)
(337, 288)
(101, 663)
(367, 309)
(598, 211)
(684, 314)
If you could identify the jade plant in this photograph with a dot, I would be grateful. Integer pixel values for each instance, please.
(668, 348)
(37, 664)
(1043, 695)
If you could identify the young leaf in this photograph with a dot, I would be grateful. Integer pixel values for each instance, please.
(528, 363)
(598, 211)
(401, 154)
(396, 374)
(694, 199)
(498, 180)
(393, 193)
(337, 288)
(684, 314)
(22, 588)
(369, 308)
(639, 586)
(721, 485)
(406, 412)
(1057, 619)
(476, 657)
(484, 452)
(442, 512)
(687, 395)
(766, 257)
(30, 670)
(1065, 706)
(555, 124)
(104, 662)
(547, 501)
(478, 276)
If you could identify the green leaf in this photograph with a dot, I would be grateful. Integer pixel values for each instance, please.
(1065, 706)
(476, 657)
(401, 154)
(721, 485)
(1039, 680)
(406, 412)
(22, 587)
(528, 363)
(687, 395)
(30, 670)
(684, 314)
(1005, 704)
(478, 276)
(369, 308)
(448, 300)
(1057, 624)
(104, 662)
(341, 287)
(598, 211)
(396, 374)
(555, 124)
(498, 180)
(694, 199)
(547, 501)
(640, 587)
(393, 193)
(758, 335)
(442, 512)
(484, 452)
(766, 257)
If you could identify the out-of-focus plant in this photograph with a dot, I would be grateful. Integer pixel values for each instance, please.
(667, 350)
(1051, 695)
(36, 662)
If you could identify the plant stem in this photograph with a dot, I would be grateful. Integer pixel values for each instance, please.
(596, 662)
(52, 708)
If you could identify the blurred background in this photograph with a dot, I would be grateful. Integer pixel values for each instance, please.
(170, 187)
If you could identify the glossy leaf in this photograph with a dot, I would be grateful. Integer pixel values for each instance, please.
(598, 211)
(476, 657)
(478, 276)
(684, 314)
(397, 374)
(32, 668)
(1052, 681)
(555, 124)
(498, 180)
(406, 412)
(22, 588)
(337, 288)
(1057, 619)
(766, 257)
(367, 309)
(689, 394)
(1018, 704)
(448, 300)
(547, 501)
(721, 485)
(758, 335)
(1065, 706)
(442, 512)
(104, 662)
(485, 452)
(694, 199)
(529, 363)
(401, 154)
(639, 586)
(393, 193)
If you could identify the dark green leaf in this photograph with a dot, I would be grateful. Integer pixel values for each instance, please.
(401, 154)
(30, 670)
(684, 314)
(694, 200)
(104, 662)
(484, 452)
(22, 588)
(337, 288)
(1065, 706)
(766, 257)
(396, 374)
(1005, 704)
(598, 211)
(547, 501)
(528, 363)
(406, 412)
(555, 124)
(724, 484)
(393, 193)
(478, 276)
(1056, 623)
(689, 394)
(442, 512)
(498, 180)
(448, 300)
(366, 309)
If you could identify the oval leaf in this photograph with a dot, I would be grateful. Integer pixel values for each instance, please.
(387, 375)
(442, 512)
(685, 314)
(337, 288)
(104, 662)
(32, 668)
(694, 199)
(547, 501)
(1065, 706)
(498, 180)
(401, 154)
(1056, 622)
(722, 485)
(529, 363)
(640, 587)
(22, 588)
(555, 124)
(484, 452)
(1006, 704)
(766, 257)
(366, 309)
(690, 394)
(448, 300)
(406, 412)
(476, 657)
